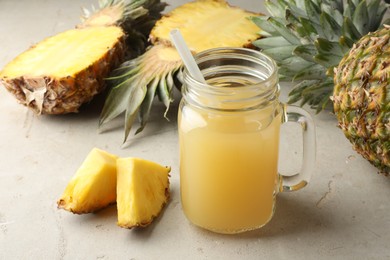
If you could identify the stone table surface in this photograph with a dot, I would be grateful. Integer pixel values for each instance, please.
(344, 213)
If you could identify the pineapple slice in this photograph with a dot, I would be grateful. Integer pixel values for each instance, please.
(142, 191)
(94, 185)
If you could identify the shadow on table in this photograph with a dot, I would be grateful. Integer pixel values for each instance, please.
(109, 215)
(292, 217)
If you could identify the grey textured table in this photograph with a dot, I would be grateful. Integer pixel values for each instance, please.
(342, 214)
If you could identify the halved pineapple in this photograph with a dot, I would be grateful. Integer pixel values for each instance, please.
(142, 191)
(207, 24)
(62, 72)
(204, 24)
(59, 74)
(93, 187)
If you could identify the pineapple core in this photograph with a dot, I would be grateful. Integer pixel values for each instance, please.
(142, 191)
(94, 185)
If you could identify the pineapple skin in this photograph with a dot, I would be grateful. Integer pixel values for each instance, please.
(308, 39)
(51, 95)
(142, 191)
(93, 187)
(361, 98)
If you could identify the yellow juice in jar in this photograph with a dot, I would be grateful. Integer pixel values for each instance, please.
(228, 167)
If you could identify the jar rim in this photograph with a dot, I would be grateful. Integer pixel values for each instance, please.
(227, 63)
(251, 54)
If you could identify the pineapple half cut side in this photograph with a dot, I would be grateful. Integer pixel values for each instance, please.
(142, 191)
(204, 24)
(93, 187)
(62, 72)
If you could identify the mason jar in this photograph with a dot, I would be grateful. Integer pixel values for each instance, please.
(229, 141)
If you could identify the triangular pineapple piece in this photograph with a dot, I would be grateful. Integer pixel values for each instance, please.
(94, 185)
(142, 191)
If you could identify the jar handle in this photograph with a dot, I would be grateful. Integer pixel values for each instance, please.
(301, 179)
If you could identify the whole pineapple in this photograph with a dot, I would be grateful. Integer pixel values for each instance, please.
(361, 97)
(308, 39)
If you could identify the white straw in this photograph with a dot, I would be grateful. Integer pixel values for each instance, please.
(186, 55)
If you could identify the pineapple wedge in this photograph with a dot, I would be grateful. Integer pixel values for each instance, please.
(94, 185)
(142, 191)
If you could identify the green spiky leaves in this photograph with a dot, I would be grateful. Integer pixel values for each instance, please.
(308, 38)
(135, 84)
(157, 71)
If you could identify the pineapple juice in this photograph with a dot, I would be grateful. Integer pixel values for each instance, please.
(229, 140)
(228, 169)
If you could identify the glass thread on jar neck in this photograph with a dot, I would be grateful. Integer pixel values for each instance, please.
(237, 79)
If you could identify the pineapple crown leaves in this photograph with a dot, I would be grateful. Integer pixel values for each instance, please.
(136, 17)
(308, 38)
(159, 68)
(133, 10)
(134, 86)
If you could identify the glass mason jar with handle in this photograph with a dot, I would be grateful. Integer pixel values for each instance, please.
(229, 141)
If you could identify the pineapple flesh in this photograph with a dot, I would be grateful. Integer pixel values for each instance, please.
(361, 97)
(204, 24)
(62, 72)
(59, 74)
(93, 187)
(207, 24)
(142, 191)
